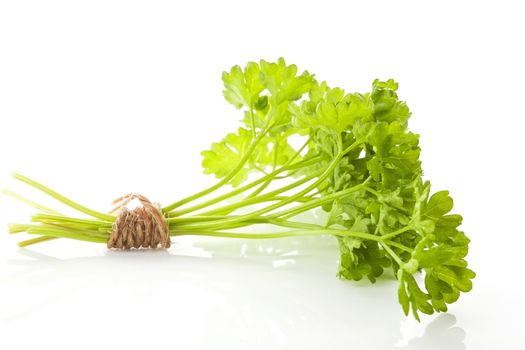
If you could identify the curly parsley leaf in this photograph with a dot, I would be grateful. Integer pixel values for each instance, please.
(265, 92)
(419, 235)
(225, 156)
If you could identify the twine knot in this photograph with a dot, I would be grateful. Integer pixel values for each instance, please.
(143, 226)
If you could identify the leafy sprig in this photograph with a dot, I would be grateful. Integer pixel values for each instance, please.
(358, 162)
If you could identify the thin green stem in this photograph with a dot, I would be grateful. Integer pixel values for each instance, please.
(36, 206)
(249, 201)
(322, 177)
(182, 220)
(289, 161)
(316, 202)
(378, 195)
(294, 224)
(398, 245)
(397, 232)
(64, 219)
(299, 200)
(57, 231)
(65, 234)
(252, 118)
(63, 199)
(308, 232)
(29, 202)
(40, 239)
(390, 252)
(17, 228)
(374, 192)
(186, 224)
(72, 230)
(241, 189)
(261, 188)
(225, 180)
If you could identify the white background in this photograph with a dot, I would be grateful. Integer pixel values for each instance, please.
(100, 98)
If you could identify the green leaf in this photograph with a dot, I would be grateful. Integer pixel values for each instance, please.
(422, 235)
(242, 87)
(331, 110)
(387, 107)
(395, 161)
(412, 297)
(441, 252)
(282, 81)
(439, 204)
(360, 258)
(224, 156)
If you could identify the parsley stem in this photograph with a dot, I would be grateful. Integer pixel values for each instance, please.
(57, 231)
(262, 198)
(308, 232)
(391, 252)
(29, 202)
(269, 180)
(186, 225)
(269, 177)
(316, 202)
(321, 174)
(225, 180)
(232, 220)
(44, 218)
(398, 245)
(31, 241)
(397, 232)
(252, 119)
(36, 206)
(63, 199)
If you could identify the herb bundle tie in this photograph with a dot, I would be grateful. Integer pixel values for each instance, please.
(143, 226)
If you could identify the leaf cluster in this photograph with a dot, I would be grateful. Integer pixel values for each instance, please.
(362, 141)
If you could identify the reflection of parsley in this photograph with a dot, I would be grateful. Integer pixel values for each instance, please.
(358, 162)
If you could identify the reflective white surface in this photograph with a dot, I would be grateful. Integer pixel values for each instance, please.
(246, 294)
(102, 98)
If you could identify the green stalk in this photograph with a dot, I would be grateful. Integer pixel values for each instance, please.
(242, 189)
(391, 253)
(397, 245)
(66, 234)
(43, 218)
(36, 206)
(183, 222)
(63, 199)
(228, 221)
(40, 239)
(316, 202)
(187, 225)
(29, 202)
(309, 232)
(17, 228)
(397, 232)
(245, 220)
(57, 231)
(249, 201)
(225, 180)
(269, 180)
(71, 230)
(280, 198)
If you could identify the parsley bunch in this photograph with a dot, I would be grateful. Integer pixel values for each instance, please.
(357, 161)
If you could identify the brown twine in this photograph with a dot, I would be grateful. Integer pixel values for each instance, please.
(143, 226)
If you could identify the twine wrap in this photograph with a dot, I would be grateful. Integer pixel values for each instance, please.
(141, 227)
